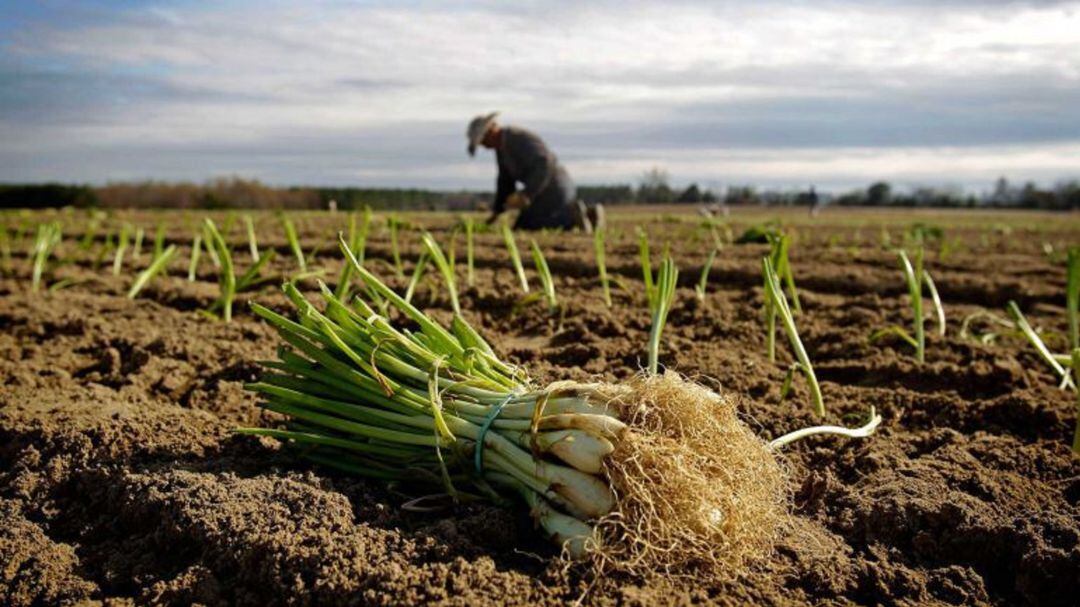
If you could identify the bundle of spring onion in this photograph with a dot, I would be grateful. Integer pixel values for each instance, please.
(656, 473)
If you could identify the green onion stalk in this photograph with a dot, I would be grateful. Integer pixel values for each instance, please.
(294, 242)
(48, 236)
(357, 242)
(228, 282)
(667, 278)
(781, 245)
(1058, 364)
(158, 265)
(121, 248)
(159, 240)
(775, 294)
(196, 252)
(136, 247)
(515, 256)
(445, 267)
(546, 280)
(253, 243)
(703, 280)
(913, 276)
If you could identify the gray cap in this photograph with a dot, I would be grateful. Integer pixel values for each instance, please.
(477, 129)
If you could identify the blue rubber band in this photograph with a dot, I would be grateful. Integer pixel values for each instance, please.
(478, 453)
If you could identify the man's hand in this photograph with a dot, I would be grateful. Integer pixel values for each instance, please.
(517, 200)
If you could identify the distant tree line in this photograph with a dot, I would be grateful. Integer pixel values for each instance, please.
(231, 193)
(653, 188)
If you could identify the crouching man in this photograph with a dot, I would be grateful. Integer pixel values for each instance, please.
(547, 198)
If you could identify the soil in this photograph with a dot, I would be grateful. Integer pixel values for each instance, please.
(121, 483)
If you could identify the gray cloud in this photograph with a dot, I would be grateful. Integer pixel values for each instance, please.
(379, 92)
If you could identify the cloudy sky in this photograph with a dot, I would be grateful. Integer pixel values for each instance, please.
(378, 93)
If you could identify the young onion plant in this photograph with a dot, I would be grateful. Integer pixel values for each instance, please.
(1055, 362)
(136, 247)
(417, 275)
(916, 278)
(253, 243)
(515, 256)
(228, 282)
(546, 281)
(157, 265)
(159, 240)
(780, 245)
(703, 280)
(48, 237)
(294, 242)
(121, 248)
(774, 294)
(445, 267)
(357, 242)
(196, 252)
(667, 279)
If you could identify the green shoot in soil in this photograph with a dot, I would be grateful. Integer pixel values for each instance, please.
(196, 251)
(775, 294)
(136, 247)
(778, 255)
(159, 240)
(1072, 297)
(358, 243)
(253, 244)
(121, 248)
(545, 276)
(515, 256)
(601, 264)
(703, 281)
(294, 242)
(227, 279)
(445, 268)
(1037, 343)
(667, 278)
(48, 236)
(418, 273)
(939, 311)
(157, 265)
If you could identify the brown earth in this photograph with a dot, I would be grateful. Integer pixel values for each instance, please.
(120, 481)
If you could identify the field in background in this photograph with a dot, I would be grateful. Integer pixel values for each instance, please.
(120, 478)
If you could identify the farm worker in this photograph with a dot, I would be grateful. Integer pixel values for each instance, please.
(548, 198)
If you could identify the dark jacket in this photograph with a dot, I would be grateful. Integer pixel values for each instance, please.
(524, 158)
